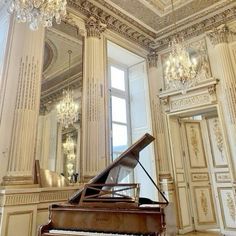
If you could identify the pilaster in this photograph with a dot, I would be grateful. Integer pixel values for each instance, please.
(227, 86)
(19, 112)
(93, 102)
(158, 122)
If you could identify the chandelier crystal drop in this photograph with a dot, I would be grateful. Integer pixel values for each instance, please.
(37, 12)
(181, 70)
(67, 109)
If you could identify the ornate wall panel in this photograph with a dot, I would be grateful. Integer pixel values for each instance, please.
(228, 207)
(217, 143)
(195, 145)
(196, 177)
(204, 205)
(19, 222)
(184, 207)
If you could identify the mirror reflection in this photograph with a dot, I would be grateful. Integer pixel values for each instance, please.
(58, 139)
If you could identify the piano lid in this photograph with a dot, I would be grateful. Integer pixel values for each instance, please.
(120, 168)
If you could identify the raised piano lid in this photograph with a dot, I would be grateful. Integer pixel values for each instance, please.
(120, 168)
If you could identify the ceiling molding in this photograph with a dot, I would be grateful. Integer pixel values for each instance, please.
(126, 26)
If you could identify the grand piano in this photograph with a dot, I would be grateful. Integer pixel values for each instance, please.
(107, 205)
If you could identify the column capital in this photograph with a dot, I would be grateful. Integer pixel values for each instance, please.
(152, 58)
(94, 27)
(219, 35)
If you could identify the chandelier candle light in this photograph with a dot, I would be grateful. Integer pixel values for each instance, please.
(181, 70)
(37, 12)
(67, 109)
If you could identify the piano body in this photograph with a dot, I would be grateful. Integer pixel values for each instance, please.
(107, 206)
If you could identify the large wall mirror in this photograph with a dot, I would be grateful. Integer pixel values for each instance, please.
(58, 147)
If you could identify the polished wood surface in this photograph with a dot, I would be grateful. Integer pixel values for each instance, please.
(100, 207)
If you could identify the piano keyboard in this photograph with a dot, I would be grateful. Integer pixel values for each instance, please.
(81, 233)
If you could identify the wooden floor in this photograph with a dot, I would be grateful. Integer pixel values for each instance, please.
(202, 234)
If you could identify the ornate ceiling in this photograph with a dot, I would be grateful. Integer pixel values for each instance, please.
(150, 23)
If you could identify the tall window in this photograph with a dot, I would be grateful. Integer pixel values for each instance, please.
(120, 116)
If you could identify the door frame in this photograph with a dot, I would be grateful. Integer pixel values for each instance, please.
(181, 114)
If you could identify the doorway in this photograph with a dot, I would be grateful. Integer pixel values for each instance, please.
(192, 161)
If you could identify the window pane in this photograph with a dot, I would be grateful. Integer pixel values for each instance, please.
(118, 109)
(117, 78)
(120, 138)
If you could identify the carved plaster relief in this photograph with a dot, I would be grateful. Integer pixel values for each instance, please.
(189, 102)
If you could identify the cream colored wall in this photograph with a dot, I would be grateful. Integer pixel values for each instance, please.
(173, 107)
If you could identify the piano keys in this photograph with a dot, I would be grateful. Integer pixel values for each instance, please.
(106, 205)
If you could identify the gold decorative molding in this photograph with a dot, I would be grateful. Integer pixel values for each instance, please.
(231, 206)
(194, 141)
(94, 27)
(204, 204)
(200, 177)
(152, 59)
(218, 136)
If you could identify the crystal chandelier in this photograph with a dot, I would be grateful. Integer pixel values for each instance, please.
(69, 145)
(67, 109)
(37, 12)
(181, 70)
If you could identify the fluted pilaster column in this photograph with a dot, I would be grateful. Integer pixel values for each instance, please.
(158, 122)
(20, 108)
(93, 102)
(227, 86)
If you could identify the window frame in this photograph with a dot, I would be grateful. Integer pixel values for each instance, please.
(119, 94)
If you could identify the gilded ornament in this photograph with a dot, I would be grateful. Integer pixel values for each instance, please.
(194, 141)
(231, 207)
(218, 136)
(204, 203)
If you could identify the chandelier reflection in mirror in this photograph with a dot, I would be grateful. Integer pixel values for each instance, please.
(69, 145)
(69, 151)
(37, 12)
(181, 70)
(67, 109)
